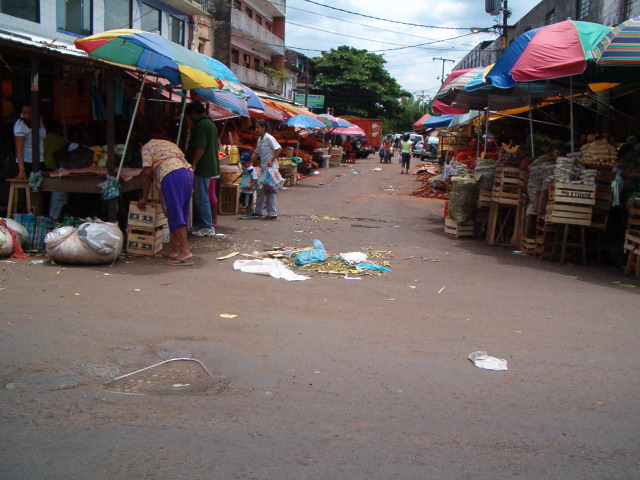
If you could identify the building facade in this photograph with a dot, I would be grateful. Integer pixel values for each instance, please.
(66, 20)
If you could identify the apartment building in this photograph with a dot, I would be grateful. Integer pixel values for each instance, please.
(66, 20)
(249, 37)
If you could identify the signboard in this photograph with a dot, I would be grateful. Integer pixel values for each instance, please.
(313, 101)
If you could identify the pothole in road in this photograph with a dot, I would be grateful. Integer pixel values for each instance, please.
(179, 377)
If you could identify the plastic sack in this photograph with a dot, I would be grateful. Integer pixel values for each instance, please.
(65, 245)
(37, 228)
(101, 237)
(6, 242)
(462, 199)
(317, 255)
(20, 231)
(270, 179)
(351, 258)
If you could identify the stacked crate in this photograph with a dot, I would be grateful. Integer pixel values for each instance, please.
(506, 213)
(457, 230)
(632, 240)
(145, 229)
(602, 206)
(571, 203)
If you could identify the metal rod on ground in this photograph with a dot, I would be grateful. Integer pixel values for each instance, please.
(133, 117)
(162, 363)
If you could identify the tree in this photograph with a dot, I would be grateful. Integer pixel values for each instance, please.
(409, 111)
(355, 82)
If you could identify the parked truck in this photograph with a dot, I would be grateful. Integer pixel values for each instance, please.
(363, 147)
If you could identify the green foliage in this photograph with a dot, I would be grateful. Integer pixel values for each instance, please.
(409, 111)
(355, 82)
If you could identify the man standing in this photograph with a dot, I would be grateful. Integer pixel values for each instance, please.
(202, 154)
(268, 150)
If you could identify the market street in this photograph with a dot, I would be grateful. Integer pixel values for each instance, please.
(327, 378)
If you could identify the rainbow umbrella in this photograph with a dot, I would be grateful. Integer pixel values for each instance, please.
(155, 54)
(558, 50)
(618, 54)
(225, 100)
(329, 120)
(343, 123)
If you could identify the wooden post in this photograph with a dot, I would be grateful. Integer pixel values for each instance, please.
(36, 199)
(111, 137)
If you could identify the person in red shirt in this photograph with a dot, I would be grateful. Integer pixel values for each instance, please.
(348, 148)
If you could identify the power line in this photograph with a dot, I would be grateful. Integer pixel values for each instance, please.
(387, 20)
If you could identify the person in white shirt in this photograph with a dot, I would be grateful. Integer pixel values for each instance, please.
(268, 149)
(23, 142)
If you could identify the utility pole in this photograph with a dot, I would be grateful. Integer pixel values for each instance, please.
(306, 83)
(443, 60)
(504, 27)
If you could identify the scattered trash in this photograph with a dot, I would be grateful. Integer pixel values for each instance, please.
(352, 258)
(315, 172)
(136, 289)
(407, 258)
(347, 277)
(317, 254)
(572, 277)
(219, 234)
(76, 294)
(105, 274)
(617, 282)
(371, 266)
(517, 252)
(442, 289)
(7, 261)
(232, 254)
(62, 269)
(228, 315)
(412, 286)
(390, 299)
(429, 259)
(180, 385)
(482, 360)
(268, 266)
(36, 262)
(298, 231)
(377, 169)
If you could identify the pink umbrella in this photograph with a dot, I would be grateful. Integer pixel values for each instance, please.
(352, 130)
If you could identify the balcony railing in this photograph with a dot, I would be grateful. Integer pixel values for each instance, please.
(190, 7)
(256, 79)
(245, 24)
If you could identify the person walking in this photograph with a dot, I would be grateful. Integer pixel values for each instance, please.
(268, 150)
(406, 153)
(164, 162)
(202, 154)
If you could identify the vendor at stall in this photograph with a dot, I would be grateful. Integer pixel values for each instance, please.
(164, 163)
(627, 166)
(22, 131)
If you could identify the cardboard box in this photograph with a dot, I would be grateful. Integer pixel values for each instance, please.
(144, 242)
(150, 218)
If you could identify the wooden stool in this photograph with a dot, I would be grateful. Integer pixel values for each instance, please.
(580, 243)
(17, 184)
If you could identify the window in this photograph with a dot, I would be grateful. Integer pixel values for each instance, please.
(74, 16)
(248, 12)
(117, 14)
(583, 9)
(256, 64)
(176, 27)
(626, 9)
(26, 9)
(246, 60)
(235, 56)
(550, 17)
(237, 5)
(267, 25)
(258, 19)
(150, 19)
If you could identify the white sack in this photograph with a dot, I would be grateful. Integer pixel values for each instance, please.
(353, 258)
(65, 246)
(268, 266)
(18, 228)
(104, 238)
(6, 242)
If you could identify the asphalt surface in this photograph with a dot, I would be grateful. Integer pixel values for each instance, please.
(328, 378)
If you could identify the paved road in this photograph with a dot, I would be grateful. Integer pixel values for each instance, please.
(326, 378)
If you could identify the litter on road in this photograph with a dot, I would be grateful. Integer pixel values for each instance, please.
(481, 360)
(268, 266)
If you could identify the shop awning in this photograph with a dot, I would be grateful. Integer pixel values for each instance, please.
(271, 111)
(291, 109)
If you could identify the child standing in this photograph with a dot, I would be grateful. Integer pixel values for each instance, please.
(248, 184)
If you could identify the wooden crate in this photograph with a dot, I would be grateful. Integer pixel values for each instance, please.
(484, 198)
(528, 245)
(571, 204)
(228, 201)
(144, 242)
(507, 186)
(150, 218)
(455, 229)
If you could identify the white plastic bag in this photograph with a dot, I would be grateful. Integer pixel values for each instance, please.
(65, 245)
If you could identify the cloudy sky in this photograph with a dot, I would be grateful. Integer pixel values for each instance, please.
(409, 50)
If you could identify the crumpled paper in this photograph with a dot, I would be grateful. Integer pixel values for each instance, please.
(268, 266)
(482, 360)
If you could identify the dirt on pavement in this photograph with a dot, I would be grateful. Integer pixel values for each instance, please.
(327, 378)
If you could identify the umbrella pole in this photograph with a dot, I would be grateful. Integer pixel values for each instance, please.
(571, 112)
(478, 139)
(182, 110)
(133, 118)
(533, 148)
(486, 129)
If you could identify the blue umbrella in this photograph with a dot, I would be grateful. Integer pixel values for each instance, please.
(225, 100)
(304, 121)
(435, 122)
(254, 100)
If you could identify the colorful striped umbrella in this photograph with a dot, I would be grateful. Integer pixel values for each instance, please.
(329, 120)
(558, 50)
(156, 54)
(618, 53)
(343, 123)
